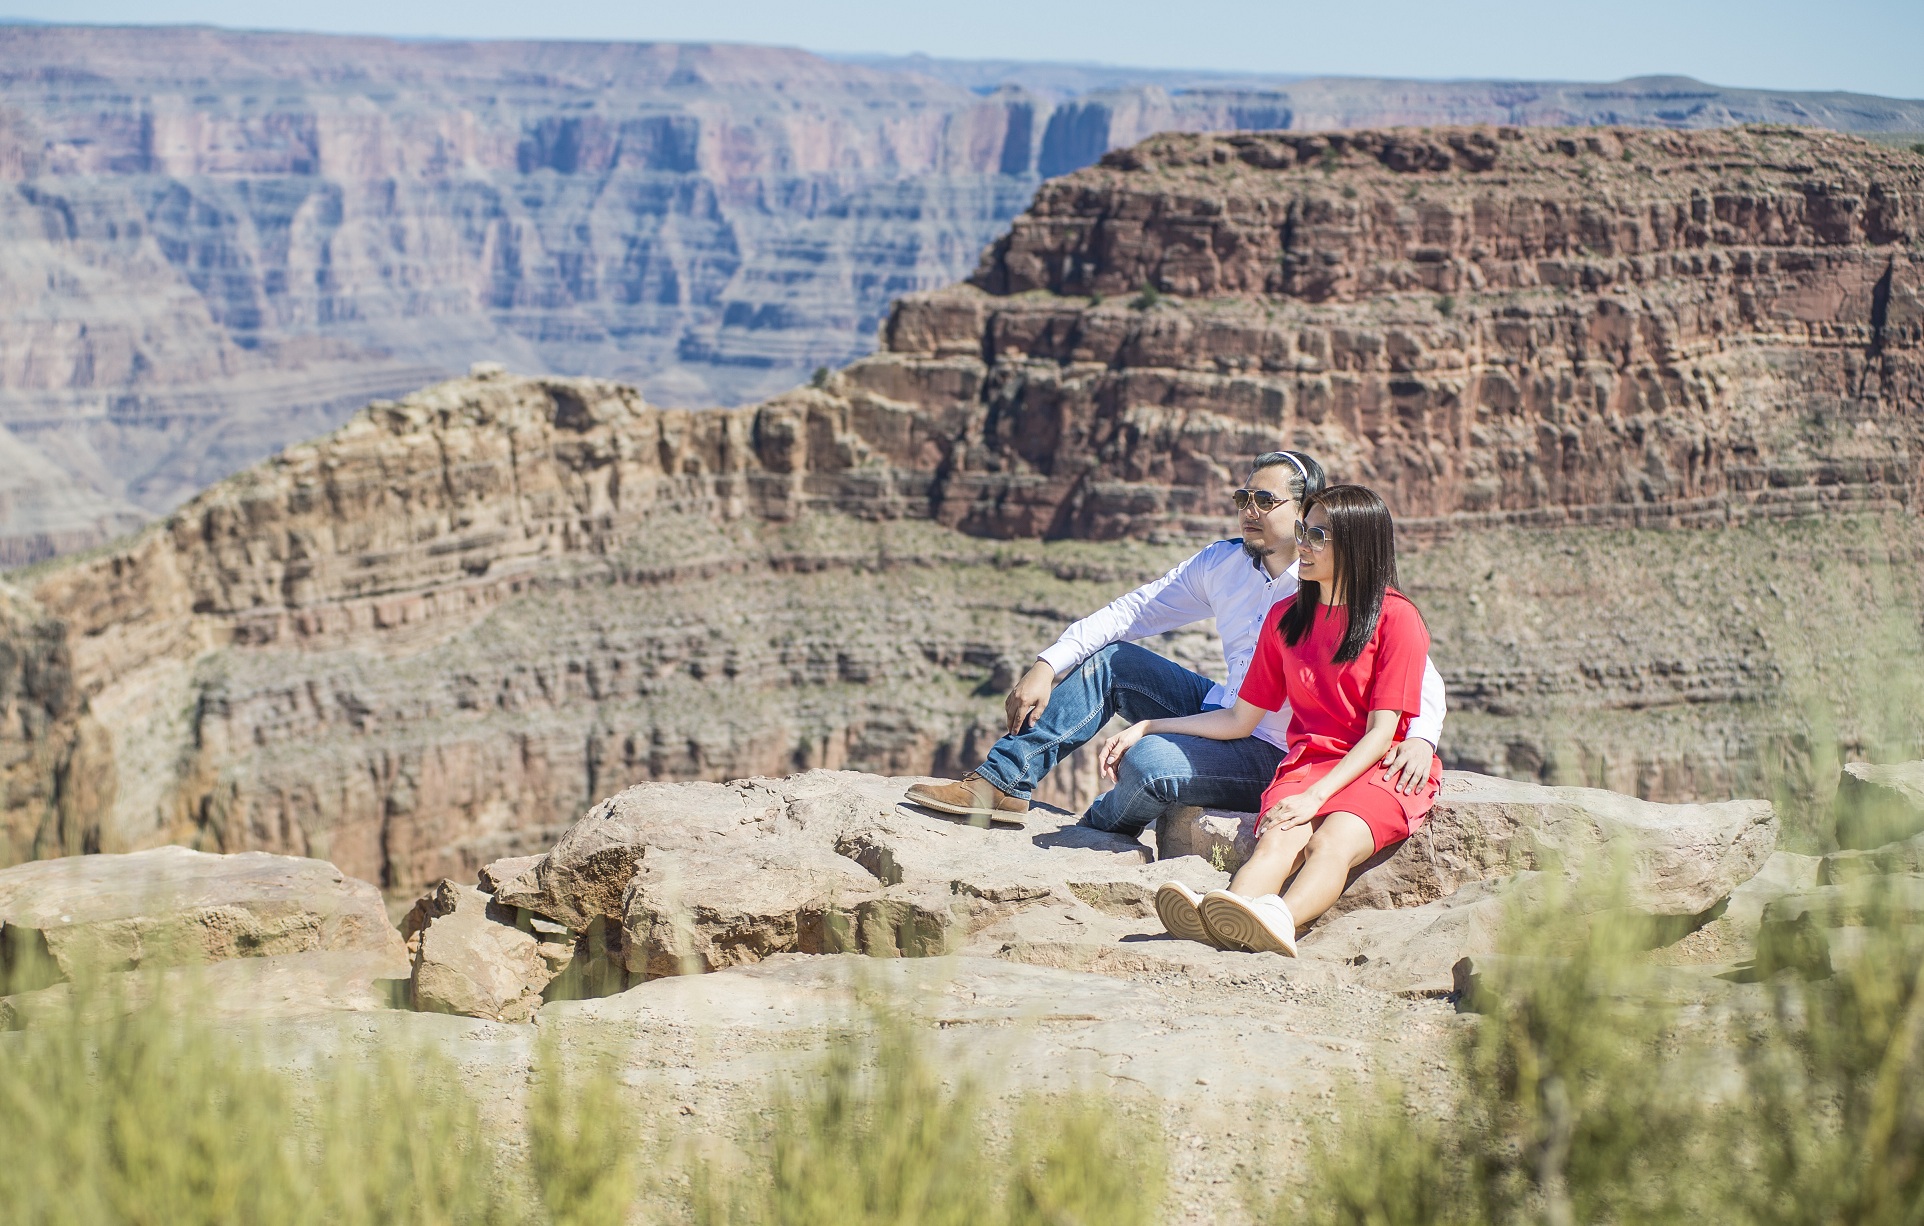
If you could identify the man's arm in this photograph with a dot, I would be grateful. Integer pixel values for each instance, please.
(1407, 765)
(1168, 603)
(1427, 724)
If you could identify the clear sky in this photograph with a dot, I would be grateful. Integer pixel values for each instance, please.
(1870, 46)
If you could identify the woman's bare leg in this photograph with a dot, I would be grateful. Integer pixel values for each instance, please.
(1278, 854)
(1341, 842)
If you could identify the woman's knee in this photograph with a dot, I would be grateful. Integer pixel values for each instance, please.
(1342, 836)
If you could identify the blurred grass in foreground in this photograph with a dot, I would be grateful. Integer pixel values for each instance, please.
(1599, 1088)
(876, 1138)
(150, 1117)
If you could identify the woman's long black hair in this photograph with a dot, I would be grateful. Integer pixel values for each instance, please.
(1363, 540)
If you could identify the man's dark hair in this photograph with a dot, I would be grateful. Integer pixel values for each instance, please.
(1306, 478)
(1363, 545)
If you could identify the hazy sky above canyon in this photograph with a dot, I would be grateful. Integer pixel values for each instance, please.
(1871, 46)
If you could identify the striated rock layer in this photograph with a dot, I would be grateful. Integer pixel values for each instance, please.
(430, 639)
(1503, 324)
(217, 243)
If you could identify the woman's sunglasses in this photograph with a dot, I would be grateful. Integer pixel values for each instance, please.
(1311, 536)
(1262, 500)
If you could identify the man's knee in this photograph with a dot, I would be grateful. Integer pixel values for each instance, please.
(1127, 660)
(1103, 658)
(1156, 768)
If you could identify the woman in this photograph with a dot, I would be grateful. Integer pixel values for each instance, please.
(1346, 653)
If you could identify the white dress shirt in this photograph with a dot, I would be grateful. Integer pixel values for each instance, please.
(1225, 583)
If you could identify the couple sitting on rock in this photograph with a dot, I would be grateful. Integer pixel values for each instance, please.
(1327, 725)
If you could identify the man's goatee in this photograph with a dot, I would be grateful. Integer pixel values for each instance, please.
(1256, 555)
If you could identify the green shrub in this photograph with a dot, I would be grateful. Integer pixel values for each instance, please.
(150, 1117)
(1084, 1158)
(1571, 1104)
(876, 1138)
(1147, 297)
(584, 1139)
(1583, 1094)
(1833, 1125)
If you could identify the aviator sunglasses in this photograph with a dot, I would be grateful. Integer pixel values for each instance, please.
(1262, 500)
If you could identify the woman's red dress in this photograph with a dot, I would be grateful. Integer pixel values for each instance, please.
(1329, 706)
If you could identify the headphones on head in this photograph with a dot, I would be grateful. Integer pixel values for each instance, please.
(1300, 470)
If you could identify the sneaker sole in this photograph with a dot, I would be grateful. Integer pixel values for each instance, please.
(1181, 920)
(997, 817)
(1232, 922)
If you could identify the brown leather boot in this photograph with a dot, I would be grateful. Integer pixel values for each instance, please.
(971, 796)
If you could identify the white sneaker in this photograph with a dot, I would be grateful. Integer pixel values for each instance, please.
(1176, 904)
(1259, 925)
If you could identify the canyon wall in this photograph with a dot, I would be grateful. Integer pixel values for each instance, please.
(1605, 379)
(217, 243)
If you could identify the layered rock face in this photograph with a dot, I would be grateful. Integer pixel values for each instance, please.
(431, 638)
(218, 243)
(1483, 324)
(434, 637)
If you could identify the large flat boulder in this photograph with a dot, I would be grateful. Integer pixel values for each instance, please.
(699, 877)
(1879, 804)
(1680, 859)
(686, 878)
(172, 906)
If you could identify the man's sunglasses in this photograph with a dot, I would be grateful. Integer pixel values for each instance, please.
(1312, 536)
(1262, 500)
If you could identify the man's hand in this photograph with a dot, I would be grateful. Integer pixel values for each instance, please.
(1406, 767)
(1030, 697)
(1289, 811)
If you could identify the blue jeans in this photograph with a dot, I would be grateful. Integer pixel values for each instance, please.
(1161, 772)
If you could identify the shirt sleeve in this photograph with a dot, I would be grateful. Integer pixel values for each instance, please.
(1402, 653)
(1265, 685)
(1428, 724)
(1170, 603)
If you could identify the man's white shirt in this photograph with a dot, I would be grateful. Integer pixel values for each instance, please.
(1225, 583)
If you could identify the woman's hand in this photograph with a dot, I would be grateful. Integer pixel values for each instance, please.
(1289, 811)
(1118, 745)
(1406, 767)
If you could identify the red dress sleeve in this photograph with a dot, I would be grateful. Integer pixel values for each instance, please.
(1402, 648)
(1264, 684)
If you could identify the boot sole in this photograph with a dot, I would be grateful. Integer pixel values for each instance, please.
(1181, 919)
(997, 817)
(1231, 920)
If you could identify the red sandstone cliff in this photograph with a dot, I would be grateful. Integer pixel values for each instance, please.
(440, 630)
(219, 243)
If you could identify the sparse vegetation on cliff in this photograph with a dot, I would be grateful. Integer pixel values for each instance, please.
(152, 1118)
(1598, 1088)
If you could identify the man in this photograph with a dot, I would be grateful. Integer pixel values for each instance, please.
(1094, 672)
